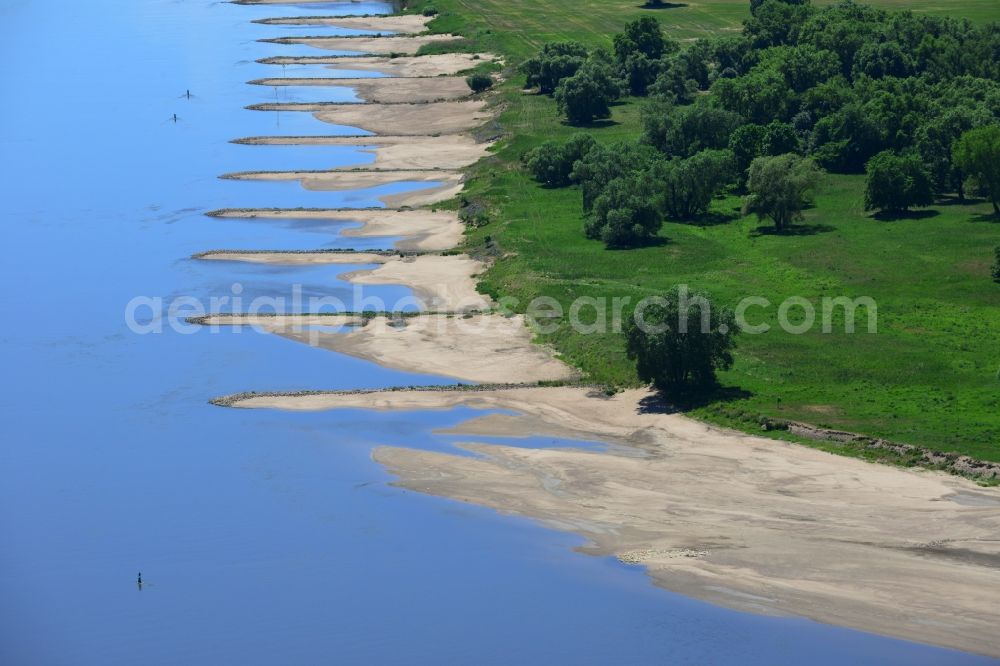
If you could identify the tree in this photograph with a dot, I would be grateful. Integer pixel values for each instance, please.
(639, 71)
(643, 36)
(552, 163)
(896, 182)
(688, 185)
(680, 340)
(587, 95)
(555, 62)
(780, 187)
(624, 214)
(685, 130)
(977, 153)
(479, 82)
(605, 162)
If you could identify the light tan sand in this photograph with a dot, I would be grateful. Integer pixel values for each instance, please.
(442, 283)
(428, 65)
(406, 24)
(271, 324)
(297, 258)
(425, 119)
(421, 229)
(387, 90)
(367, 45)
(442, 185)
(750, 523)
(449, 151)
(475, 348)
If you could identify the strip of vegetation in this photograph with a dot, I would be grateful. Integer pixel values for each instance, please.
(930, 375)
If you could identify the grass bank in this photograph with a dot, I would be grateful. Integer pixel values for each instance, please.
(930, 376)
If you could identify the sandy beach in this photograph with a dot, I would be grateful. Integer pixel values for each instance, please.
(404, 24)
(367, 45)
(442, 185)
(387, 90)
(449, 151)
(402, 66)
(742, 521)
(428, 119)
(420, 229)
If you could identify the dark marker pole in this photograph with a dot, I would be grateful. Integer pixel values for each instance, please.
(138, 580)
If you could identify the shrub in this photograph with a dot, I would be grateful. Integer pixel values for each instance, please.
(479, 82)
(896, 182)
(681, 341)
(430, 10)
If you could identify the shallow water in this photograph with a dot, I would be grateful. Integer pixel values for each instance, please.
(264, 537)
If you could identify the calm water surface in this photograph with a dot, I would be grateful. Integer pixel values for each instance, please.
(264, 537)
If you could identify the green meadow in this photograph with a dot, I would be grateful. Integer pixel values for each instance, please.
(930, 375)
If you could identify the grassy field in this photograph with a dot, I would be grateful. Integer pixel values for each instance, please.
(930, 376)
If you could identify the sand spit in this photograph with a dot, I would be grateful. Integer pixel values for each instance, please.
(475, 348)
(423, 230)
(387, 90)
(441, 283)
(402, 24)
(449, 151)
(422, 66)
(747, 522)
(367, 45)
(442, 185)
(397, 119)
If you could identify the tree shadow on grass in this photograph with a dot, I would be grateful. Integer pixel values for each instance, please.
(658, 403)
(896, 215)
(713, 218)
(594, 124)
(662, 5)
(793, 230)
(955, 201)
(992, 218)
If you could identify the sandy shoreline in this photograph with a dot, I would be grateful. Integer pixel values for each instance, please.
(441, 283)
(386, 90)
(442, 185)
(366, 45)
(746, 522)
(420, 229)
(419, 119)
(400, 24)
(403, 66)
(475, 348)
(449, 151)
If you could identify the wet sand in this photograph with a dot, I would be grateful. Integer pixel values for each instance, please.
(450, 151)
(387, 90)
(367, 45)
(422, 66)
(420, 229)
(746, 522)
(442, 185)
(404, 24)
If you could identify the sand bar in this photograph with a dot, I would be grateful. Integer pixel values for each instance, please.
(475, 348)
(404, 24)
(386, 90)
(441, 184)
(449, 151)
(397, 119)
(442, 283)
(429, 65)
(420, 229)
(747, 522)
(364, 45)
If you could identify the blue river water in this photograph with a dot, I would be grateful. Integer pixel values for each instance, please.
(264, 537)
